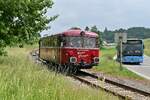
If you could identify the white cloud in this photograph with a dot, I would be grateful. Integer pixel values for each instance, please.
(103, 13)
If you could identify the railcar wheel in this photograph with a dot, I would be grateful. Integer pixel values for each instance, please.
(56, 68)
(72, 69)
(75, 70)
(64, 69)
(68, 70)
(60, 68)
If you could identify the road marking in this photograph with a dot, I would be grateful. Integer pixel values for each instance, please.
(138, 73)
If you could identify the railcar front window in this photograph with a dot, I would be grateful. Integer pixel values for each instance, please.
(89, 42)
(80, 42)
(73, 42)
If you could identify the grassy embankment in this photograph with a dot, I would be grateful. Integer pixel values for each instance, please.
(147, 47)
(21, 79)
(111, 67)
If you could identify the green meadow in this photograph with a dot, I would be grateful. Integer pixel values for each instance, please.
(22, 79)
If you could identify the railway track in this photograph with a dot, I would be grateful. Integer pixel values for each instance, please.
(116, 88)
(119, 89)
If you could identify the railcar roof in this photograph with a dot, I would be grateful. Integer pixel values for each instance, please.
(74, 32)
(77, 33)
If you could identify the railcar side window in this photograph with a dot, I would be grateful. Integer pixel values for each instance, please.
(51, 44)
(52, 41)
(55, 42)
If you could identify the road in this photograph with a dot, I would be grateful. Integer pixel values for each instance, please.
(143, 69)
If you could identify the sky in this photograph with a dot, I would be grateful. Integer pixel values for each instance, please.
(113, 14)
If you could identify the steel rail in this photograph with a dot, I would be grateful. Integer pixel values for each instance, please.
(96, 86)
(146, 93)
(82, 77)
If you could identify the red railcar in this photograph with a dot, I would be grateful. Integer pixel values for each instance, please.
(72, 47)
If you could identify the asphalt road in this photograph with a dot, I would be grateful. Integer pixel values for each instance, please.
(143, 69)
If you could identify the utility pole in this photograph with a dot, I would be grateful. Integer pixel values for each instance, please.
(120, 45)
(120, 38)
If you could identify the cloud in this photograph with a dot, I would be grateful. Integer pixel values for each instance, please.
(103, 13)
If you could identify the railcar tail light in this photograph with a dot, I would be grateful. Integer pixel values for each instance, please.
(73, 59)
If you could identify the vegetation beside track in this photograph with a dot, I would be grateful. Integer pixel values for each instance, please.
(111, 67)
(21, 79)
(147, 47)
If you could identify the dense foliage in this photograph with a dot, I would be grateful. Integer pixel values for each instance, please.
(21, 21)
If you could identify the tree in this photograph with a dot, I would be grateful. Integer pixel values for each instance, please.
(21, 21)
(108, 36)
(87, 28)
(105, 30)
(95, 29)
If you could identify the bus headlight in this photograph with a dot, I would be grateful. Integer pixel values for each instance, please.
(96, 60)
(73, 60)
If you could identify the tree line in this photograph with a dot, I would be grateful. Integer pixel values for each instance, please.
(133, 32)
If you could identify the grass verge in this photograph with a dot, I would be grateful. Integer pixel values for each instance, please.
(147, 47)
(21, 79)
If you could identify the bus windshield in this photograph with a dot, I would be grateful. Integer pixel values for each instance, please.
(132, 49)
(80, 42)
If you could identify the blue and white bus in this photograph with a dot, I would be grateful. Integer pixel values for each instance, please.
(132, 51)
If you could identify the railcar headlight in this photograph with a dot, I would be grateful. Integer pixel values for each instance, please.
(73, 59)
(96, 60)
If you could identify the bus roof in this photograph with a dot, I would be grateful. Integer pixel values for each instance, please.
(134, 41)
